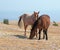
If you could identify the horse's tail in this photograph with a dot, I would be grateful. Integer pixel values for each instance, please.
(19, 21)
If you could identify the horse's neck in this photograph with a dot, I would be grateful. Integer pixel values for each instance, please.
(32, 16)
(34, 27)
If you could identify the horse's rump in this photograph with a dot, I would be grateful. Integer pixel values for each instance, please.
(45, 21)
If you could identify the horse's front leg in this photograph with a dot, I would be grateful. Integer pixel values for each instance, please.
(43, 34)
(46, 34)
(39, 34)
(25, 30)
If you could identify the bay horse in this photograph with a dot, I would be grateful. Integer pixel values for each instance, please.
(42, 23)
(28, 20)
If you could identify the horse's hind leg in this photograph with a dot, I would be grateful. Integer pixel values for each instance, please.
(39, 34)
(43, 34)
(46, 34)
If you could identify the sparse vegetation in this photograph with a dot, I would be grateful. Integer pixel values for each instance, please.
(6, 21)
(55, 24)
(9, 38)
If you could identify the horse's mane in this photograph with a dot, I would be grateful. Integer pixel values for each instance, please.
(35, 24)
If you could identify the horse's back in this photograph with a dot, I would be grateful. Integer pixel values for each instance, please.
(27, 15)
(28, 19)
(45, 21)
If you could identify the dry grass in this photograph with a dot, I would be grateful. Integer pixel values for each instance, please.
(11, 38)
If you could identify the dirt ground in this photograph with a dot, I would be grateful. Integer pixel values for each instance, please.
(12, 38)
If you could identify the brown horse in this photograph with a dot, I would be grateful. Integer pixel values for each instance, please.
(28, 19)
(42, 23)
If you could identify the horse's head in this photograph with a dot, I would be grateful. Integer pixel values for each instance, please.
(36, 14)
(32, 34)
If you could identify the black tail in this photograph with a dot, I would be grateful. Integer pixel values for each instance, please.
(19, 21)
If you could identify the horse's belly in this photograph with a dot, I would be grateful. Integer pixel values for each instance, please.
(29, 22)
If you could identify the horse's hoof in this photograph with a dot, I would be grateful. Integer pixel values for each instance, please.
(46, 39)
(43, 38)
(38, 39)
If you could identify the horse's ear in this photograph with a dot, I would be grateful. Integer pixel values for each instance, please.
(38, 12)
(34, 11)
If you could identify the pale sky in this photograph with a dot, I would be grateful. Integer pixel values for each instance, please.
(50, 7)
